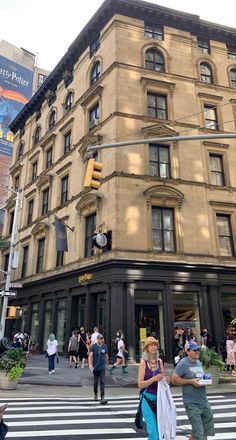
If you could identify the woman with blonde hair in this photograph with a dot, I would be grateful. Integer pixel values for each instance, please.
(151, 371)
(51, 352)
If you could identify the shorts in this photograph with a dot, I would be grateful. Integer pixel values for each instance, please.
(119, 357)
(72, 352)
(201, 419)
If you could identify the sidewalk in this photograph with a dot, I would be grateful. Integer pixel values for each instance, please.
(36, 373)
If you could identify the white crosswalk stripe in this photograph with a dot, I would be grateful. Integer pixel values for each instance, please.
(80, 418)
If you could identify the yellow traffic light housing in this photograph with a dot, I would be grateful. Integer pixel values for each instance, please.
(93, 174)
(11, 312)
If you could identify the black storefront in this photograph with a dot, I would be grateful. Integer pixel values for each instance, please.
(141, 298)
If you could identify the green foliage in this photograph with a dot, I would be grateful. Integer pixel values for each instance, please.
(210, 357)
(13, 363)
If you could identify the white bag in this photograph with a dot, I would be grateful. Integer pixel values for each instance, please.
(166, 412)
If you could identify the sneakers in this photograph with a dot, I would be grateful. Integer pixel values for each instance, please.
(82, 366)
(95, 397)
(111, 370)
(76, 365)
(49, 372)
(124, 370)
(103, 402)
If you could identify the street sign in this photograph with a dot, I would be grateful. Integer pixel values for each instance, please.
(16, 285)
(8, 293)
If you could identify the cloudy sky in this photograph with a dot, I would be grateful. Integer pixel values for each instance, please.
(48, 27)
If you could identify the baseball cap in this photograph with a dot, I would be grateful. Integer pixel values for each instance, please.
(193, 346)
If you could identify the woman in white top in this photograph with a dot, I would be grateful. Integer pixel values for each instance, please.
(51, 351)
(120, 357)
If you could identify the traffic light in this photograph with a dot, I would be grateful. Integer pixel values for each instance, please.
(93, 174)
(11, 312)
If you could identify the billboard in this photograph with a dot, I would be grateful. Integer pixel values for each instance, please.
(16, 84)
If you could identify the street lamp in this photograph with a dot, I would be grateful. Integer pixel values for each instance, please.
(9, 268)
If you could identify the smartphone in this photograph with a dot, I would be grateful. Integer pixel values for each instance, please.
(3, 407)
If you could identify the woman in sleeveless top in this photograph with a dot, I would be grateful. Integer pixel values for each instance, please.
(151, 371)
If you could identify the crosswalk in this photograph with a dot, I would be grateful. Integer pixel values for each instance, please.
(74, 418)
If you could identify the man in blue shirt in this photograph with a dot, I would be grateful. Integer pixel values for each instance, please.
(187, 374)
(98, 361)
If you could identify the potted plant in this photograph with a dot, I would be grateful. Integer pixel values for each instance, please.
(212, 361)
(12, 364)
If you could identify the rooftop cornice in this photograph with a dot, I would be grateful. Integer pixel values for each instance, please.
(130, 8)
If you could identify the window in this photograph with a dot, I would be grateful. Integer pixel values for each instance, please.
(206, 73)
(90, 226)
(94, 46)
(94, 116)
(24, 261)
(49, 157)
(40, 256)
(67, 142)
(210, 117)
(68, 77)
(60, 258)
(64, 189)
(203, 45)
(30, 211)
(17, 182)
(68, 102)
(154, 31)
(159, 161)
(157, 106)
(163, 230)
(154, 60)
(233, 78)
(225, 235)
(34, 170)
(217, 170)
(41, 79)
(45, 201)
(38, 114)
(21, 150)
(95, 74)
(52, 120)
(11, 222)
(231, 53)
(37, 135)
(22, 131)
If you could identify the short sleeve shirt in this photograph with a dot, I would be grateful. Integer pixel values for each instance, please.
(120, 347)
(99, 356)
(189, 370)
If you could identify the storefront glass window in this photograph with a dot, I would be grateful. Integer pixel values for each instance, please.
(35, 325)
(81, 311)
(47, 323)
(229, 311)
(61, 324)
(101, 312)
(186, 313)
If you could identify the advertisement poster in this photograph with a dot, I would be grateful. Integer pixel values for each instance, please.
(16, 84)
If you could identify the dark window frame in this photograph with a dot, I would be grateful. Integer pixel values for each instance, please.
(206, 77)
(203, 45)
(52, 120)
(68, 102)
(95, 73)
(11, 220)
(157, 108)
(228, 236)
(17, 182)
(60, 255)
(211, 123)
(94, 114)
(45, 201)
(157, 63)
(21, 150)
(90, 227)
(217, 175)
(157, 164)
(67, 142)
(64, 189)
(154, 31)
(162, 230)
(49, 153)
(37, 135)
(30, 211)
(94, 46)
(232, 78)
(34, 171)
(40, 255)
(231, 53)
(24, 261)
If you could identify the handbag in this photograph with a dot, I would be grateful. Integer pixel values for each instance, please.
(138, 421)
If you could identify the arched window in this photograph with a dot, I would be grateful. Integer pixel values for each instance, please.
(52, 120)
(68, 102)
(154, 60)
(37, 135)
(21, 150)
(233, 78)
(95, 74)
(206, 73)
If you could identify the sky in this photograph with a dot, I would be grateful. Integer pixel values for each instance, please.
(48, 27)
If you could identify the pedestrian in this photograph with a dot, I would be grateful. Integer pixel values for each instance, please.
(151, 371)
(51, 352)
(187, 374)
(207, 339)
(230, 361)
(120, 357)
(83, 341)
(98, 362)
(3, 426)
(73, 348)
(26, 344)
(223, 350)
(94, 336)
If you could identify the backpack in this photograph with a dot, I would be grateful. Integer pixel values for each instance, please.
(115, 348)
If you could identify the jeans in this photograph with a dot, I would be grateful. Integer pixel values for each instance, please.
(51, 362)
(99, 375)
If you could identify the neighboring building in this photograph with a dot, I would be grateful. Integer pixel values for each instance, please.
(19, 78)
(171, 207)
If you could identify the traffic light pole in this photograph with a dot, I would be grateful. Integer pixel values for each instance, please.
(9, 269)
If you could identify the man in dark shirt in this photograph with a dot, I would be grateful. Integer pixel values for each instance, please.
(98, 361)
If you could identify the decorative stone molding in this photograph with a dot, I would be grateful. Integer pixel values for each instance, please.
(164, 194)
(40, 230)
(47, 139)
(16, 170)
(90, 95)
(164, 130)
(162, 86)
(209, 97)
(89, 139)
(50, 97)
(30, 194)
(88, 201)
(44, 180)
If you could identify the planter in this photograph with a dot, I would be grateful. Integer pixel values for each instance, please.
(6, 383)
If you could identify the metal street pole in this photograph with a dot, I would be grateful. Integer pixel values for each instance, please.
(9, 269)
(162, 139)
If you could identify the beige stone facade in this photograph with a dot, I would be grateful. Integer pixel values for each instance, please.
(129, 191)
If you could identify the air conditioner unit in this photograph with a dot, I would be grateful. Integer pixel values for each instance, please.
(93, 123)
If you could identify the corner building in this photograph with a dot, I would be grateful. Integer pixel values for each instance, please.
(136, 71)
